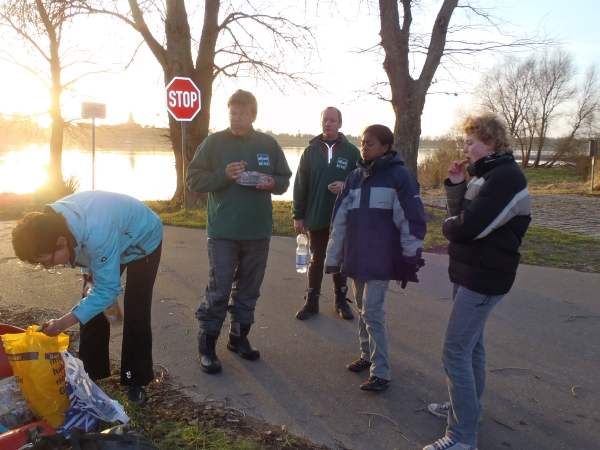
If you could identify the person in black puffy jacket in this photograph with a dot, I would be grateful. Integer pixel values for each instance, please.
(488, 219)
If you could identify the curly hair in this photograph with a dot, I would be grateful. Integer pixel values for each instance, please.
(488, 127)
(244, 98)
(37, 234)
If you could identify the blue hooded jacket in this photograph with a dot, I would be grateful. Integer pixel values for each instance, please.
(109, 229)
(378, 222)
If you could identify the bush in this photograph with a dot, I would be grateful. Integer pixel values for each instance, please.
(434, 170)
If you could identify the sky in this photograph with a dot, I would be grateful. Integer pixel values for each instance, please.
(341, 71)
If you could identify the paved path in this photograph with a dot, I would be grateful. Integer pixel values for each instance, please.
(569, 213)
(543, 344)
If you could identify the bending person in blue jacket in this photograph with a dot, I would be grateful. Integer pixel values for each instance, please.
(377, 234)
(103, 233)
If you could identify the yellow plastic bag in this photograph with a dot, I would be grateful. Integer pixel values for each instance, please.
(38, 366)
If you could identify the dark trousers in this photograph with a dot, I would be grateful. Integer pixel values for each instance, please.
(318, 240)
(236, 272)
(136, 351)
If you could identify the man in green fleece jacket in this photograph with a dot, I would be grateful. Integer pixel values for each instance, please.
(323, 168)
(240, 224)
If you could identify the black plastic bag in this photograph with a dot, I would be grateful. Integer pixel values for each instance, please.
(120, 437)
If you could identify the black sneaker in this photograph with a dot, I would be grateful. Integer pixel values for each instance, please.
(359, 365)
(136, 394)
(375, 384)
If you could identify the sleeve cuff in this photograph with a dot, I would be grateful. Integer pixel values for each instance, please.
(449, 183)
(332, 269)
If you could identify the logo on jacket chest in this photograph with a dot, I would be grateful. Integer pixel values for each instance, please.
(342, 163)
(263, 160)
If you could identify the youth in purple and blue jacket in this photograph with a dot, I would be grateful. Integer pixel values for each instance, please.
(378, 223)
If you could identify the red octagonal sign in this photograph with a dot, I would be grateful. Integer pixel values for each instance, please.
(183, 99)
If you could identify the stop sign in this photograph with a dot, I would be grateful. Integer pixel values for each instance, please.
(183, 99)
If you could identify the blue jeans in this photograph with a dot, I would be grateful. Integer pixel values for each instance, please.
(372, 333)
(236, 272)
(463, 354)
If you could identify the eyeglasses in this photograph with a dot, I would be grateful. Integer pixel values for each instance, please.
(242, 116)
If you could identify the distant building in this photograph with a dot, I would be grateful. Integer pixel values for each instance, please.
(130, 121)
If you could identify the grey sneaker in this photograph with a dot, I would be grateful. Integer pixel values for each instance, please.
(447, 443)
(439, 409)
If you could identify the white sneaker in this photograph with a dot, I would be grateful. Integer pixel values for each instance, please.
(447, 443)
(439, 409)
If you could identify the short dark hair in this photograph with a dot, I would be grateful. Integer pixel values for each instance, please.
(382, 133)
(244, 98)
(37, 234)
(332, 107)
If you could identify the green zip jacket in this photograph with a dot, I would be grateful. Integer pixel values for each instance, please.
(313, 202)
(238, 212)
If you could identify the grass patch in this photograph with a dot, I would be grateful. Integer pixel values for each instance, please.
(540, 247)
(172, 214)
(554, 175)
(544, 247)
(15, 206)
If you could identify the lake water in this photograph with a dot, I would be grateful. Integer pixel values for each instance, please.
(143, 173)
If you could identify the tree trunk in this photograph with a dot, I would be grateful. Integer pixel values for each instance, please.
(407, 128)
(55, 176)
(408, 95)
(55, 180)
(179, 63)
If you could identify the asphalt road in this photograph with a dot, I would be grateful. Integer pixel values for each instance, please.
(543, 342)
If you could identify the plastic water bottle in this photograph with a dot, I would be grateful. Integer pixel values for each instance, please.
(302, 253)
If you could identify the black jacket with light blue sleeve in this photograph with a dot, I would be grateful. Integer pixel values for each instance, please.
(378, 222)
(489, 218)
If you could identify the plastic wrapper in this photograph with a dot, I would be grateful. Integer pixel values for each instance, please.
(252, 179)
(39, 370)
(114, 314)
(13, 406)
(89, 403)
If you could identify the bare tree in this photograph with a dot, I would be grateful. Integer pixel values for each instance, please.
(236, 40)
(508, 90)
(582, 119)
(530, 95)
(36, 31)
(443, 46)
(553, 83)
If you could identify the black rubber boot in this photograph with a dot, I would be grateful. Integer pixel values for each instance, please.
(311, 307)
(340, 305)
(209, 362)
(239, 343)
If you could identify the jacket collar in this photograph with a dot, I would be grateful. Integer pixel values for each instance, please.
(318, 139)
(245, 137)
(487, 163)
(390, 159)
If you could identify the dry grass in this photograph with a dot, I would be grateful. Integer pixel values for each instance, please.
(433, 171)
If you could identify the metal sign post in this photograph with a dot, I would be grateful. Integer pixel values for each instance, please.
(93, 111)
(593, 153)
(183, 158)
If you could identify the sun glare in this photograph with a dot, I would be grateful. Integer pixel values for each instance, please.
(44, 121)
(17, 173)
